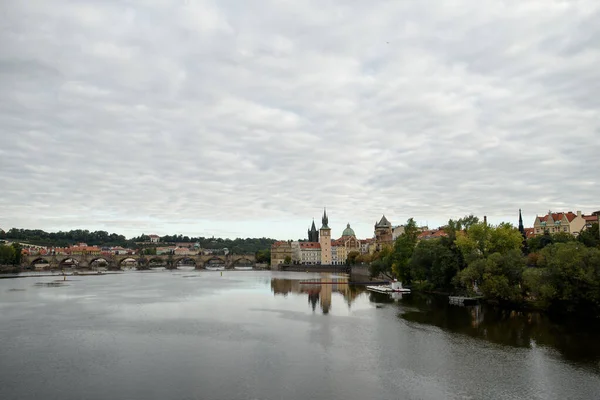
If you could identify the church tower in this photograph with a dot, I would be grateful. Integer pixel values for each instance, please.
(313, 233)
(325, 240)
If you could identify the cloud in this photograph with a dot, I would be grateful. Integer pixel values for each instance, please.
(246, 118)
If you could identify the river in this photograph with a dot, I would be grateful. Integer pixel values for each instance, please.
(261, 335)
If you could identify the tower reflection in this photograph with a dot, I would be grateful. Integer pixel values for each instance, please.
(319, 290)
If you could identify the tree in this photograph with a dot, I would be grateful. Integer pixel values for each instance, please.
(263, 256)
(480, 240)
(498, 276)
(402, 251)
(7, 255)
(352, 257)
(434, 261)
(590, 237)
(18, 253)
(568, 279)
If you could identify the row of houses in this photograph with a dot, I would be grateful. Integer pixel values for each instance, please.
(76, 250)
(321, 249)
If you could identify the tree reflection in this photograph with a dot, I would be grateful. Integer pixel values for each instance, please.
(577, 341)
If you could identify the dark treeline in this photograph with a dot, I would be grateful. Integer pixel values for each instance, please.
(103, 238)
(64, 239)
(559, 272)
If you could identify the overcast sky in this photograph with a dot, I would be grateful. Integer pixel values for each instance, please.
(243, 118)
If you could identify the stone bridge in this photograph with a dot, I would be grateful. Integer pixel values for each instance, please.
(117, 261)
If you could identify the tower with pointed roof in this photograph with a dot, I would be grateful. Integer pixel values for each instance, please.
(521, 227)
(325, 240)
(383, 233)
(313, 233)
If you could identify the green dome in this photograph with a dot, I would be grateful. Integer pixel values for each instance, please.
(348, 231)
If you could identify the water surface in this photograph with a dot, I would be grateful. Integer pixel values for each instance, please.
(259, 335)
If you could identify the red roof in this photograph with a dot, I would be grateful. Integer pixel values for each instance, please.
(529, 232)
(432, 233)
(559, 216)
(310, 245)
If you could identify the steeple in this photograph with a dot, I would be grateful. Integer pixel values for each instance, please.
(313, 233)
(325, 220)
(521, 227)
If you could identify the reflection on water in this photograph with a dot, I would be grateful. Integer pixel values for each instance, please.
(319, 290)
(157, 335)
(577, 341)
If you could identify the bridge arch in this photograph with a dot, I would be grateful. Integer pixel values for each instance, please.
(130, 259)
(74, 262)
(107, 260)
(178, 260)
(39, 260)
(156, 259)
(243, 261)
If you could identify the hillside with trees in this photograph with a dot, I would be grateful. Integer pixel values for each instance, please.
(559, 273)
(103, 238)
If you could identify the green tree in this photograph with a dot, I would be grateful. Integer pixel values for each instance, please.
(435, 262)
(497, 277)
(590, 237)
(7, 255)
(568, 279)
(263, 256)
(18, 254)
(352, 258)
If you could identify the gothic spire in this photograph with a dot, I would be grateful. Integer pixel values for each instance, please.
(521, 227)
(325, 220)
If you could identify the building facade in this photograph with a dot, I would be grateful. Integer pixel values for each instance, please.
(325, 240)
(569, 222)
(279, 252)
(383, 233)
(310, 253)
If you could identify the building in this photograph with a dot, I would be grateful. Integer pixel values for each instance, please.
(397, 231)
(325, 240)
(345, 245)
(84, 249)
(184, 251)
(310, 253)
(367, 246)
(566, 222)
(154, 238)
(313, 233)
(383, 233)
(165, 250)
(432, 234)
(591, 219)
(280, 251)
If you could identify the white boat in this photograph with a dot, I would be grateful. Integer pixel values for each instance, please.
(394, 287)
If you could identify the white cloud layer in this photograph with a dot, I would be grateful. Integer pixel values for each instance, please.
(245, 118)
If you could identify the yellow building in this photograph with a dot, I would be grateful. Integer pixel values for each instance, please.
(325, 240)
(279, 252)
(568, 222)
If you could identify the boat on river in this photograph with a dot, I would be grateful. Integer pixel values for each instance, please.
(394, 287)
